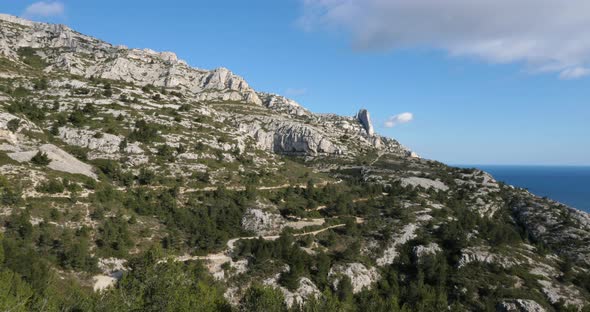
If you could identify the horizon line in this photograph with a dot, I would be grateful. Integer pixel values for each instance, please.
(520, 165)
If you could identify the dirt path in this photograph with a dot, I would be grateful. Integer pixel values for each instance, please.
(304, 222)
(217, 260)
(231, 244)
(376, 159)
(183, 190)
(259, 188)
(322, 207)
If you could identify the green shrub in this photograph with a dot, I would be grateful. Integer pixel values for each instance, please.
(24, 106)
(30, 57)
(114, 237)
(10, 194)
(41, 159)
(77, 118)
(144, 132)
(123, 145)
(166, 151)
(112, 170)
(146, 176)
(41, 84)
(13, 124)
(51, 186)
(82, 91)
(79, 152)
(20, 92)
(55, 106)
(263, 298)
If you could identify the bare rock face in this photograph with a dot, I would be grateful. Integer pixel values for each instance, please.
(283, 104)
(365, 119)
(483, 254)
(18, 33)
(360, 277)
(107, 143)
(103, 282)
(111, 265)
(567, 294)
(162, 70)
(424, 183)
(60, 160)
(306, 290)
(292, 138)
(548, 221)
(391, 252)
(428, 250)
(64, 49)
(520, 305)
(262, 222)
(23, 124)
(103, 145)
(301, 139)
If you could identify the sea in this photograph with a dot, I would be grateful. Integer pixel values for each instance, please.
(569, 185)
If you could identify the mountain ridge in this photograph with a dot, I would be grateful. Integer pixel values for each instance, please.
(128, 65)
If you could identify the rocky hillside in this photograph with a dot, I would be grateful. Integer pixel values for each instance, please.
(130, 180)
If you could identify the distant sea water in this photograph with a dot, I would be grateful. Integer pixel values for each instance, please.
(566, 184)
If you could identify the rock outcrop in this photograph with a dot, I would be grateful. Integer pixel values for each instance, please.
(64, 49)
(360, 276)
(543, 219)
(424, 183)
(482, 254)
(102, 144)
(306, 290)
(262, 222)
(282, 104)
(291, 138)
(421, 251)
(520, 305)
(365, 119)
(390, 253)
(567, 294)
(60, 160)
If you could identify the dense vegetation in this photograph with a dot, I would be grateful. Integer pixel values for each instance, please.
(432, 283)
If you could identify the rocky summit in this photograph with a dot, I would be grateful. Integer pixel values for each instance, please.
(131, 181)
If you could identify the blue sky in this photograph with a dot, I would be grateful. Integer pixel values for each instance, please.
(480, 90)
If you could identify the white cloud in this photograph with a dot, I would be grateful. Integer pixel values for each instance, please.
(398, 119)
(574, 73)
(44, 9)
(544, 35)
(295, 91)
